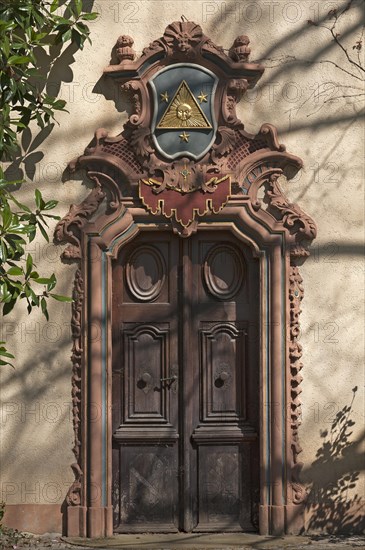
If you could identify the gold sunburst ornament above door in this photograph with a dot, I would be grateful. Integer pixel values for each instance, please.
(183, 111)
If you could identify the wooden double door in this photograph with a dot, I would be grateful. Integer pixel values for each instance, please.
(185, 384)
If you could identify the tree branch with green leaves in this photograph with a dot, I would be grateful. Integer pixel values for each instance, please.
(30, 31)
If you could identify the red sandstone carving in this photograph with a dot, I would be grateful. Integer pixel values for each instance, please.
(240, 50)
(296, 293)
(292, 216)
(68, 229)
(277, 231)
(73, 497)
(211, 197)
(125, 51)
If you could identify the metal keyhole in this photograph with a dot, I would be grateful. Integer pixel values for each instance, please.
(144, 383)
(222, 378)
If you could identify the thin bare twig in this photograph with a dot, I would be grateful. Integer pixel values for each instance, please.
(288, 59)
(335, 35)
(346, 52)
(359, 43)
(342, 96)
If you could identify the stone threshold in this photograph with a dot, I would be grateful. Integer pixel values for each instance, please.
(190, 541)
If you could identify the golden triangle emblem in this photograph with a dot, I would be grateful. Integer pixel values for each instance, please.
(183, 112)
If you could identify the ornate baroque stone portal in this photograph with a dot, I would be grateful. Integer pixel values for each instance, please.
(184, 163)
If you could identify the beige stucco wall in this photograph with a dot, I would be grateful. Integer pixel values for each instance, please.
(36, 420)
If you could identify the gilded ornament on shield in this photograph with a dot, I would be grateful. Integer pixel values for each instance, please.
(184, 111)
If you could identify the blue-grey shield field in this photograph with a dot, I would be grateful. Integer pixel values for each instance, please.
(201, 82)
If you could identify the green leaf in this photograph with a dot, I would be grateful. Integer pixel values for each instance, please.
(82, 28)
(52, 282)
(50, 205)
(44, 308)
(51, 216)
(89, 16)
(43, 231)
(66, 35)
(38, 199)
(6, 45)
(3, 252)
(15, 271)
(29, 265)
(61, 298)
(78, 6)
(2, 363)
(7, 308)
(62, 21)
(59, 105)
(7, 216)
(31, 234)
(54, 5)
(33, 296)
(78, 39)
(4, 353)
(19, 59)
(42, 280)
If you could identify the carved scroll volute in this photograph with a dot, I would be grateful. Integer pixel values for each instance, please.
(232, 95)
(293, 217)
(69, 229)
(137, 95)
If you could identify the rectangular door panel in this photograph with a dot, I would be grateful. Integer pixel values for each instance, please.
(224, 488)
(148, 489)
(222, 371)
(145, 360)
(148, 396)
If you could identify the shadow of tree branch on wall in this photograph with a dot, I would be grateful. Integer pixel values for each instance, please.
(335, 472)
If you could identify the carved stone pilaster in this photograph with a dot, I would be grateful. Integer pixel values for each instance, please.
(73, 497)
(296, 292)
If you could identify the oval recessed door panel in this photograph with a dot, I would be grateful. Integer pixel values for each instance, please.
(145, 273)
(223, 272)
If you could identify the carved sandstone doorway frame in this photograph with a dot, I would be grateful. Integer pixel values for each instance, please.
(278, 234)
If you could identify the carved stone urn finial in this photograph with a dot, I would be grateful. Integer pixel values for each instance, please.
(125, 52)
(240, 50)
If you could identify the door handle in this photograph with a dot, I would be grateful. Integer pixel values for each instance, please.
(170, 382)
(170, 378)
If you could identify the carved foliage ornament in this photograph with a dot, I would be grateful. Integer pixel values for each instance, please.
(296, 293)
(73, 497)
